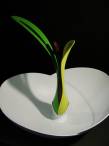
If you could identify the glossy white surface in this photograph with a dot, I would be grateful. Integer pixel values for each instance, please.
(26, 100)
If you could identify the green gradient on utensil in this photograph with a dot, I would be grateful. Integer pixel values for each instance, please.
(35, 31)
(61, 96)
(60, 102)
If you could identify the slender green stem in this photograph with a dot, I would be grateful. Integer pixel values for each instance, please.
(60, 102)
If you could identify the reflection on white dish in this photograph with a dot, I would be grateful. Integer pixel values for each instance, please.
(26, 100)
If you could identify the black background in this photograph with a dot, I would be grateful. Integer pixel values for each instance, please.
(61, 21)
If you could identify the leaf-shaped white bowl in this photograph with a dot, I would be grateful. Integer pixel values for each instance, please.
(26, 100)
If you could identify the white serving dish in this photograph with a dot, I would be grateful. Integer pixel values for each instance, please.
(26, 100)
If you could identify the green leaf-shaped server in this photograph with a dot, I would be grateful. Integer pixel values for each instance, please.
(60, 102)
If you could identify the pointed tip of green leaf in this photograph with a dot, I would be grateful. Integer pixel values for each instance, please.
(18, 18)
(68, 46)
(71, 42)
(15, 17)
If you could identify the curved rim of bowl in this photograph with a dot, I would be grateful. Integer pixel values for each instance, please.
(55, 136)
(51, 136)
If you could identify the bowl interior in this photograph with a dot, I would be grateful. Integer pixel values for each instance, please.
(26, 100)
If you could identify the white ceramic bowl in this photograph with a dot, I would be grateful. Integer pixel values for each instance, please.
(26, 100)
